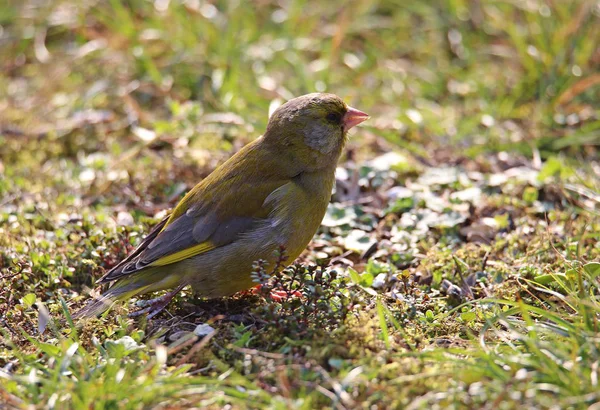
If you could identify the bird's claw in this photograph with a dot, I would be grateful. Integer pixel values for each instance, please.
(154, 306)
(277, 295)
(281, 295)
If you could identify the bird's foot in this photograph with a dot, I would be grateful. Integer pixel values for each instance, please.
(277, 295)
(154, 306)
(280, 295)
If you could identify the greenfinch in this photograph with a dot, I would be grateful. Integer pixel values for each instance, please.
(272, 193)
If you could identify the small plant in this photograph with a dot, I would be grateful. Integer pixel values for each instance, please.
(301, 300)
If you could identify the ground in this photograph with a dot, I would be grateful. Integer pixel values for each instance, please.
(457, 265)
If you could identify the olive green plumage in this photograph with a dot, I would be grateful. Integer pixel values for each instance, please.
(274, 192)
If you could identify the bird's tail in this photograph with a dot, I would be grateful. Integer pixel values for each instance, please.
(149, 280)
(101, 303)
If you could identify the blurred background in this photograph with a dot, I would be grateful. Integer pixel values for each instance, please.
(116, 100)
(471, 75)
(480, 158)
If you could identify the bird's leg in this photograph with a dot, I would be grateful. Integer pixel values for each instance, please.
(156, 305)
(281, 295)
(277, 295)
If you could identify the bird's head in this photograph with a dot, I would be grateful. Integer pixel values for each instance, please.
(313, 128)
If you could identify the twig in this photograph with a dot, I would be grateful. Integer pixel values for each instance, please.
(255, 352)
(195, 348)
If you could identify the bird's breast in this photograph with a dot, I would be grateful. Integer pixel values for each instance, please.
(300, 209)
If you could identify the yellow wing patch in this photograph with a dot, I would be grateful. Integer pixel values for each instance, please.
(184, 254)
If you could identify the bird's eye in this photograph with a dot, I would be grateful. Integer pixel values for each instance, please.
(333, 117)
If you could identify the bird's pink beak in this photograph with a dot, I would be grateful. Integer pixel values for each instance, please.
(353, 117)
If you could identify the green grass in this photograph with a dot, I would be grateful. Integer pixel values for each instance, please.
(483, 289)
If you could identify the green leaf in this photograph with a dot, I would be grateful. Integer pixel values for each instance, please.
(429, 315)
(244, 339)
(365, 279)
(383, 324)
(375, 267)
(49, 349)
(502, 220)
(354, 276)
(530, 194)
(554, 167)
(122, 347)
(401, 205)
(549, 278)
(28, 300)
(468, 316)
(592, 269)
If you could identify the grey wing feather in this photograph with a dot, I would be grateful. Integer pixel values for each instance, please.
(185, 232)
(189, 231)
(116, 270)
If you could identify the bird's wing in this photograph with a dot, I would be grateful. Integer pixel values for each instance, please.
(136, 252)
(210, 216)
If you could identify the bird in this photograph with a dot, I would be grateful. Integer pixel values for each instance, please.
(272, 194)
